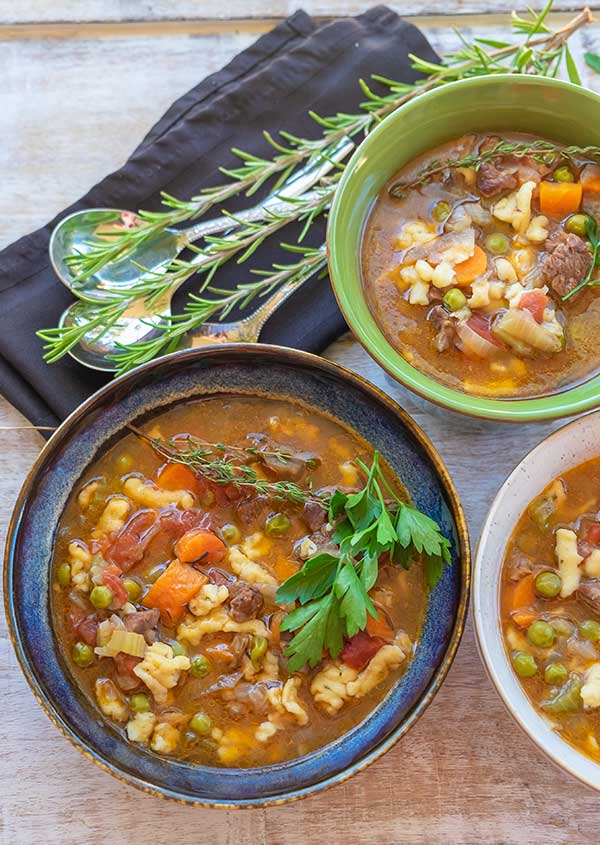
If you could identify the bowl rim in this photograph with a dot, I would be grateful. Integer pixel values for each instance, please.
(533, 409)
(292, 356)
(484, 632)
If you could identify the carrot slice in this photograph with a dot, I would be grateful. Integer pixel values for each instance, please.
(379, 627)
(522, 594)
(524, 617)
(469, 269)
(172, 591)
(176, 477)
(200, 545)
(557, 199)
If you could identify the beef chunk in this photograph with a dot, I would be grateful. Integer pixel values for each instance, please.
(567, 262)
(289, 469)
(589, 593)
(519, 565)
(252, 511)
(219, 576)
(246, 601)
(175, 523)
(445, 325)
(130, 543)
(314, 515)
(142, 620)
(493, 180)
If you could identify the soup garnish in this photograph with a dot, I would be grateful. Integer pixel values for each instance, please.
(247, 603)
(480, 264)
(550, 605)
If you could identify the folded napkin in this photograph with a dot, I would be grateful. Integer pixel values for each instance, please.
(272, 85)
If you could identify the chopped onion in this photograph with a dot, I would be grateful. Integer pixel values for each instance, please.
(124, 642)
(519, 330)
(474, 344)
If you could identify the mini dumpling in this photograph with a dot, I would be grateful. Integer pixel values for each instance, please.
(208, 598)
(139, 729)
(160, 669)
(329, 687)
(590, 691)
(113, 517)
(148, 495)
(247, 569)
(568, 561)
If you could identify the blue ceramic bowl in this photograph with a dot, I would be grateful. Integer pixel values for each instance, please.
(93, 427)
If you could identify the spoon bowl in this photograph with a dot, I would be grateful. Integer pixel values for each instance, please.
(74, 235)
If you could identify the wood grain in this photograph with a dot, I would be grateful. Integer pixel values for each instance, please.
(40, 11)
(464, 774)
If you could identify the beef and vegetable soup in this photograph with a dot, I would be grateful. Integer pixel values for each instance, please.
(240, 581)
(479, 264)
(550, 605)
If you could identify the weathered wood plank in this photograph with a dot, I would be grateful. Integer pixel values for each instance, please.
(75, 92)
(40, 11)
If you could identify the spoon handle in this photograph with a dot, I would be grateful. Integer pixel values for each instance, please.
(255, 321)
(276, 203)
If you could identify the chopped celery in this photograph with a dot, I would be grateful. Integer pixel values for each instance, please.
(126, 642)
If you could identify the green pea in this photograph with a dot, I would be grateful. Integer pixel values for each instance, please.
(548, 584)
(541, 634)
(563, 174)
(556, 673)
(524, 664)
(123, 463)
(277, 524)
(497, 243)
(83, 654)
(134, 589)
(178, 648)
(577, 225)
(200, 666)
(454, 299)
(590, 630)
(200, 723)
(64, 575)
(258, 651)
(231, 534)
(441, 211)
(139, 703)
(101, 597)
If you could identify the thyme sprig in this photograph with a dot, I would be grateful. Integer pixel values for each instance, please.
(538, 150)
(538, 50)
(220, 463)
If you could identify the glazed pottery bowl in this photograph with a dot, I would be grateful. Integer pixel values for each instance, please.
(563, 450)
(547, 107)
(92, 428)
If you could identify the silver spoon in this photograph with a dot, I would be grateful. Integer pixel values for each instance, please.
(131, 329)
(73, 234)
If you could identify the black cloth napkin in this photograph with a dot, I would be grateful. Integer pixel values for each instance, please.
(272, 85)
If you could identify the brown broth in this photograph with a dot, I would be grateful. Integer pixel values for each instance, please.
(406, 326)
(578, 509)
(229, 420)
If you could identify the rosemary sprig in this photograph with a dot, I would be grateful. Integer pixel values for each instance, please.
(519, 149)
(220, 463)
(539, 50)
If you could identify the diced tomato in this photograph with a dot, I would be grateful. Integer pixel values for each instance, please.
(591, 533)
(111, 579)
(125, 664)
(534, 301)
(131, 541)
(481, 324)
(359, 649)
(83, 627)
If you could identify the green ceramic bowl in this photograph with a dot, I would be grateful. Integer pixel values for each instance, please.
(556, 110)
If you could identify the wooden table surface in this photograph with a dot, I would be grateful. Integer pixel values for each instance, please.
(75, 72)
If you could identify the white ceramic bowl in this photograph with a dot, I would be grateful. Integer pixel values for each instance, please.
(566, 448)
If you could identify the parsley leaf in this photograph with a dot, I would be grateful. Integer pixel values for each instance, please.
(332, 591)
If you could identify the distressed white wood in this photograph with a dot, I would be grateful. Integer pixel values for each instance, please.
(464, 774)
(37, 11)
